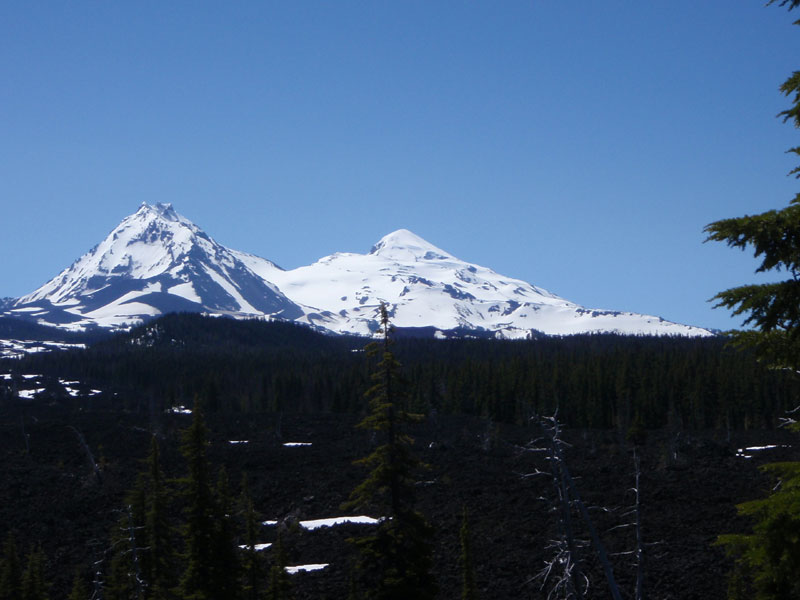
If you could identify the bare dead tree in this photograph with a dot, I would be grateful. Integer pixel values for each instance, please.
(137, 571)
(636, 511)
(575, 583)
(639, 538)
(95, 467)
(97, 581)
(789, 420)
(97, 585)
(562, 574)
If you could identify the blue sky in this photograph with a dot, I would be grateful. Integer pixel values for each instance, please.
(579, 146)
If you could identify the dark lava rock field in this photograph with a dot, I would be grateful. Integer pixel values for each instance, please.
(690, 484)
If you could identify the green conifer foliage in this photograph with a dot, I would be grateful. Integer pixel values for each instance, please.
(772, 308)
(280, 587)
(225, 560)
(197, 580)
(353, 593)
(80, 588)
(158, 560)
(121, 581)
(10, 570)
(770, 555)
(34, 584)
(768, 559)
(143, 560)
(395, 560)
(251, 563)
(469, 590)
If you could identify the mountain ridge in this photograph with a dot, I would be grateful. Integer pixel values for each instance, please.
(156, 261)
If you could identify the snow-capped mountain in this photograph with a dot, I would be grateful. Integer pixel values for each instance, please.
(157, 261)
(425, 286)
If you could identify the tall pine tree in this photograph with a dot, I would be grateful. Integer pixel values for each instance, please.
(768, 558)
(772, 308)
(34, 583)
(196, 582)
(280, 588)
(469, 590)
(225, 575)
(10, 570)
(211, 563)
(158, 560)
(395, 561)
(80, 588)
(251, 562)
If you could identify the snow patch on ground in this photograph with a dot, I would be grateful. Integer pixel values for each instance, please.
(19, 348)
(256, 547)
(331, 522)
(302, 568)
(743, 452)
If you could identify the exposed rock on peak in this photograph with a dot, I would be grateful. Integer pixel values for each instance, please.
(157, 261)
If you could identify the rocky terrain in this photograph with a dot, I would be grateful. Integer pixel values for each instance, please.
(691, 482)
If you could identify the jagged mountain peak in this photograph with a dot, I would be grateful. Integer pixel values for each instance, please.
(157, 261)
(161, 209)
(158, 217)
(144, 244)
(154, 261)
(403, 244)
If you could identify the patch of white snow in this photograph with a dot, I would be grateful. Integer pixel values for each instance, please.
(301, 568)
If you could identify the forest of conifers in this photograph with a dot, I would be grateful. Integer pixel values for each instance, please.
(597, 381)
(686, 405)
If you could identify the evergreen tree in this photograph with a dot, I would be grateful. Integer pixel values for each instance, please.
(353, 593)
(225, 574)
(123, 581)
(395, 560)
(158, 560)
(469, 591)
(10, 570)
(773, 308)
(768, 559)
(251, 564)
(80, 588)
(34, 585)
(199, 531)
(143, 557)
(280, 588)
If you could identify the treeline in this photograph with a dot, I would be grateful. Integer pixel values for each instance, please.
(598, 381)
(191, 538)
(22, 329)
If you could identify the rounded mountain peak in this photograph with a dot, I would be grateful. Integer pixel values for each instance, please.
(404, 245)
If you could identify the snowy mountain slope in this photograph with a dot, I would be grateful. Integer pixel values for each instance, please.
(155, 261)
(426, 286)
